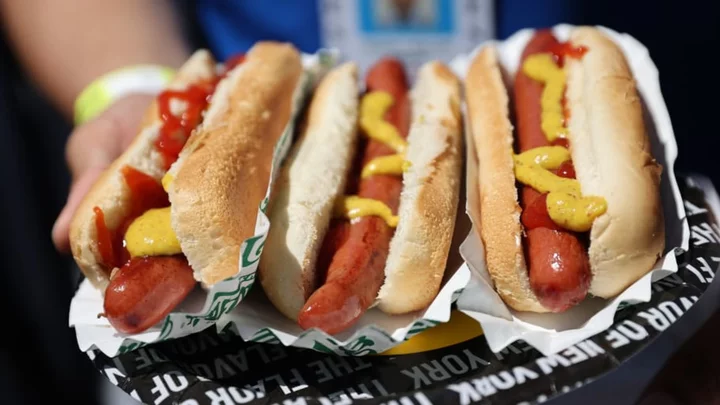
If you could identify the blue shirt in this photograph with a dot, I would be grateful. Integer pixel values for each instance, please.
(233, 26)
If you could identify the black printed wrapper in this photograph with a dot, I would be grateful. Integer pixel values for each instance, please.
(212, 368)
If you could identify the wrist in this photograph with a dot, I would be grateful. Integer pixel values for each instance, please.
(117, 84)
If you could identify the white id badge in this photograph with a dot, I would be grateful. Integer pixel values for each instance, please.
(415, 31)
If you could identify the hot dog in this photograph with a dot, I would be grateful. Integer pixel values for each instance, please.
(557, 261)
(174, 208)
(130, 304)
(356, 272)
(365, 208)
(570, 201)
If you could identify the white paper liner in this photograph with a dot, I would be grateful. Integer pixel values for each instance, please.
(202, 308)
(551, 333)
(257, 320)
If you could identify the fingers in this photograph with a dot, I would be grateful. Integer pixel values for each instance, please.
(80, 187)
(91, 148)
(94, 145)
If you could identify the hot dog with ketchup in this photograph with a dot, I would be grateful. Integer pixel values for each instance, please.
(365, 206)
(569, 202)
(174, 208)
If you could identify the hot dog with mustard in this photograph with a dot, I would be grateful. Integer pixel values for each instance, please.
(365, 207)
(569, 201)
(174, 208)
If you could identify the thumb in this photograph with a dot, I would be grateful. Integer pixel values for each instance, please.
(90, 150)
(78, 190)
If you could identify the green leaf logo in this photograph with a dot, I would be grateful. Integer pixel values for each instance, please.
(224, 302)
(167, 328)
(252, 250)
(128, 347)
(191, 320)
(265, 335)
(319, 346)
(222, 307)
(360, 347)
(246, 285)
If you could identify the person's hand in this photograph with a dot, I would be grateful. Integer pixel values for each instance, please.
(91, 148)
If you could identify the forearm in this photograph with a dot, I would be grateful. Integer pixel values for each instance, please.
(64, 45)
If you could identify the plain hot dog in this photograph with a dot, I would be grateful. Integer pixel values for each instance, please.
(569, 202)
(365, 205)
(356, 271)
(164, 216)
(130, 304)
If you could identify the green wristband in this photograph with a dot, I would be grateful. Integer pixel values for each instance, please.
(108, 88)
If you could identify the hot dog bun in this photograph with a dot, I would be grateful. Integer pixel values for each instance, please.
(221, 174)
(428, 203)
(110, 192)
(501, 231)
(614, 160)
(610, 150)
(313, 177)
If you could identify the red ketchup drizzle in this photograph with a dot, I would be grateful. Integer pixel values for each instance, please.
(560, 52)
(176, 130)
(104, 240)
(535, 214)
(145, 192)
(564, 49)
(561, 142)
(566, 170)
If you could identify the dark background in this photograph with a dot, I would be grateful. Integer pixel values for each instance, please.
(40, 354)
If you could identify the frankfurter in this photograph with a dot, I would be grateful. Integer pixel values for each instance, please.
(174, 208)
(365, 206)
(570, 201)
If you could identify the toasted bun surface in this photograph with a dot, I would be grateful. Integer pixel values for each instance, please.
(222, 174)
(312, 179)
(611, 154)
(500, 228)
(419, 248)
(612, 157)
(110, 193)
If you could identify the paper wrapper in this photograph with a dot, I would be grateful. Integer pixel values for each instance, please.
(448, 364)
(551, 333)
(202, 308)
(257, 320)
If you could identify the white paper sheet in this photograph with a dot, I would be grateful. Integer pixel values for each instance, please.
(202, 308)
(551, 333)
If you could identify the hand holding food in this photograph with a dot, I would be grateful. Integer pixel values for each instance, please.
(174, 208)
(91, 148)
